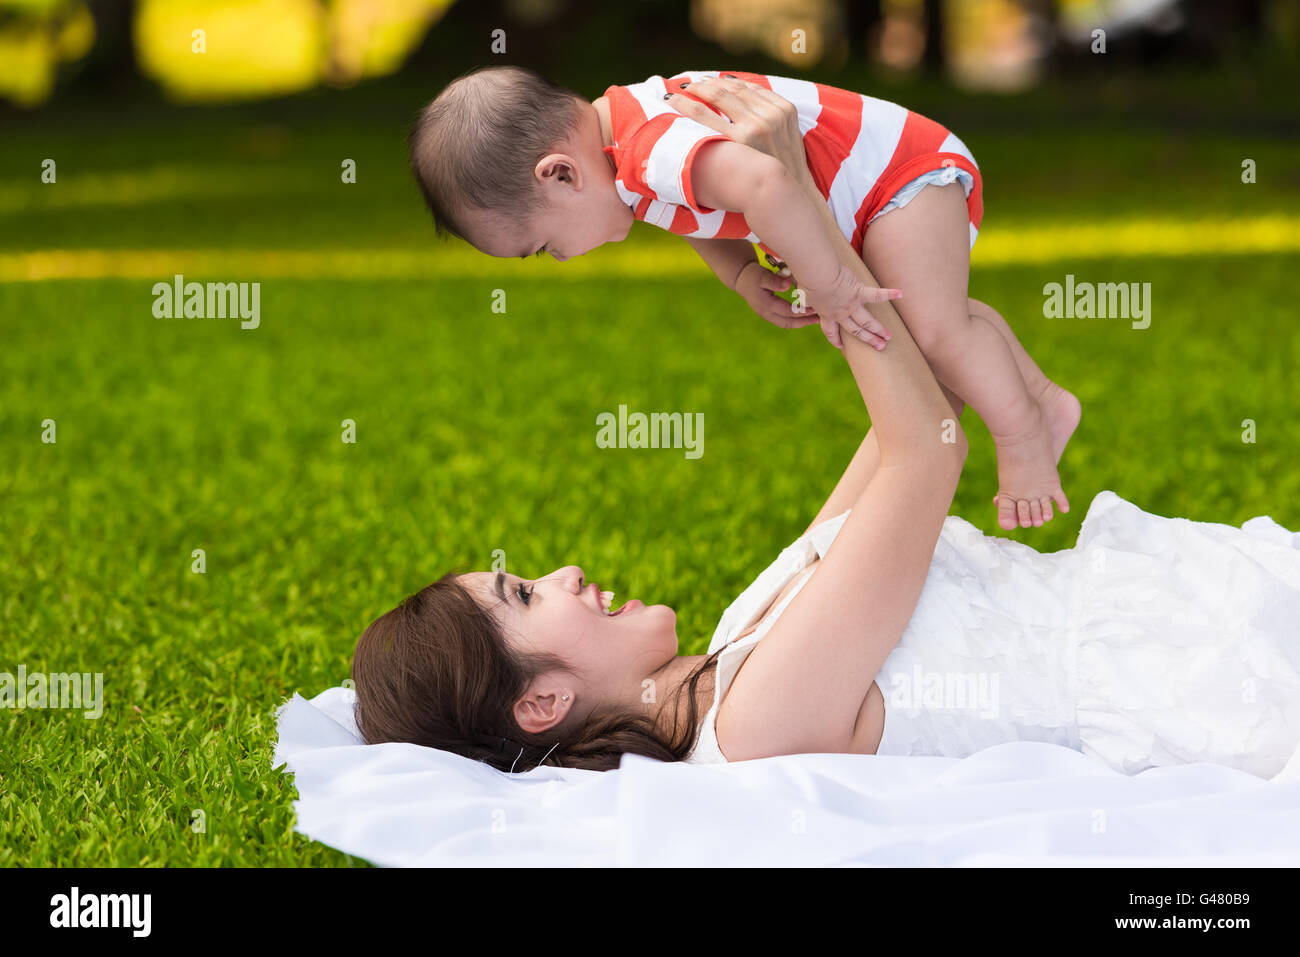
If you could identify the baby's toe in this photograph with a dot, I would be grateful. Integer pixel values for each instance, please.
(1047, 508)
(1022, 509)
(1036, 513)
(1006, 512)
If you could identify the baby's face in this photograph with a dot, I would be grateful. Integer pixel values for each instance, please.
(582, 210)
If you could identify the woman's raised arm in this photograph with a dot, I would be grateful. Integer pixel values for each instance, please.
(804, 684)
(769, 123)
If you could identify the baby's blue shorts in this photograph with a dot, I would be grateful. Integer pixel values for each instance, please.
(941, 176)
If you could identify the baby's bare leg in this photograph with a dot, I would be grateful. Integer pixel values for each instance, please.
(1060, 406)
(924, 250)
(1034, 378)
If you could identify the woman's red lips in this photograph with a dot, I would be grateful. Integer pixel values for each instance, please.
(626, 605)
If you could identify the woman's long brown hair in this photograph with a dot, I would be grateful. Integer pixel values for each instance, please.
(437, 671)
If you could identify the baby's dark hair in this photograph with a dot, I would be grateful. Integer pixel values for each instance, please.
(474, 147)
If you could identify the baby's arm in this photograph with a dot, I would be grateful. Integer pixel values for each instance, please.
(726, 257)
(728, 175)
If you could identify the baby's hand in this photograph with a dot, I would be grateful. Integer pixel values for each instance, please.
(842, 303)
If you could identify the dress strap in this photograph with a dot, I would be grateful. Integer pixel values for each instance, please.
(776, 600)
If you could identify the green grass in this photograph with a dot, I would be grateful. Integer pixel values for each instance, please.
(476, 432)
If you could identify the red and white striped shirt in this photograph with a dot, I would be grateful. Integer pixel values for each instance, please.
(860, 151)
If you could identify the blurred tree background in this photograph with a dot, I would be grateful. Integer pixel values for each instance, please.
(208, 50)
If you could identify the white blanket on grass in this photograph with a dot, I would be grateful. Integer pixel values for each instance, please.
(1019, 803)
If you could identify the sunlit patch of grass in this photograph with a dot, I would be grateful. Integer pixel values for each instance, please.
(1003, 245)
(1140, 236)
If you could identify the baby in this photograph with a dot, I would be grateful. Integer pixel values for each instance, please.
(517, 166)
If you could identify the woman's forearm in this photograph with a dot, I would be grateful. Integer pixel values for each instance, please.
(726, 257)
(912, 418)
(909, 410)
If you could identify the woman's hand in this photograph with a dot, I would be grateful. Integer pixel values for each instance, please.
(768, 122)
(760, 119)
(757, 286)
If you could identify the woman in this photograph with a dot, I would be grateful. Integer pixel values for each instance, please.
(889, 627)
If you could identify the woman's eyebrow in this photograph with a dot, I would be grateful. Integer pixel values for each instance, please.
(501, 592)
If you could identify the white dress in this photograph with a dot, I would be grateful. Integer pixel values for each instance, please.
(1153, 641)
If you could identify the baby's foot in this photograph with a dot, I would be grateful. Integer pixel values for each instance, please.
(1063, 412)
(1027, 476)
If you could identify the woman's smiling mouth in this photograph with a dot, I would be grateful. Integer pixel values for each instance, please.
(606, 598)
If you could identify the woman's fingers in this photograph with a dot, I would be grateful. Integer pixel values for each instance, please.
(735, 98)
(759, 118)
(790, 316)
(788, 322)
(697, 112)
(716, 95)
(720, 92)
(778, 312)
(733, 90)
(774, 110)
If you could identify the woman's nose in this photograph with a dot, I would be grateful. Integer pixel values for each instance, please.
(572, 577)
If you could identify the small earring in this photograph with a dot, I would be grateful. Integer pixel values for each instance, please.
(564, 698)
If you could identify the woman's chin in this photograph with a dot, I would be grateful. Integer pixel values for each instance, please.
(656, 619)
(665, 610)
(667, 616)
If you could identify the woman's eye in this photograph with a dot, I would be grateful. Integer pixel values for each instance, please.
(524, 596)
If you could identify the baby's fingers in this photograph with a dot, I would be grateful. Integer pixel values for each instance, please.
(878, 294)
(870, 338)
(870, 325)
(832, 332)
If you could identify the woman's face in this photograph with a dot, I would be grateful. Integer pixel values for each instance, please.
(611, 657)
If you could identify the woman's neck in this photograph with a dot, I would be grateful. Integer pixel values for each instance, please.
(668, 704)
